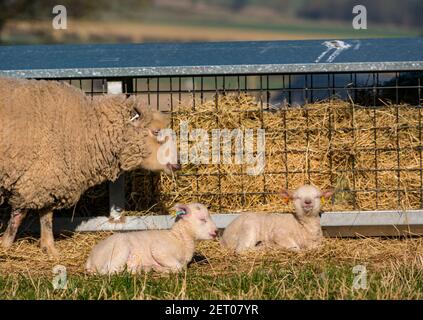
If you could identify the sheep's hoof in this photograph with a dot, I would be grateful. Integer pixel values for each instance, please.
(50, 250)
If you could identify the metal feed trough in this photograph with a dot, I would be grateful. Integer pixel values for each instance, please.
(280, 72)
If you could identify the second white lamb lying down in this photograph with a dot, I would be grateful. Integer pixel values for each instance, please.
(293, 232)
(159, 250)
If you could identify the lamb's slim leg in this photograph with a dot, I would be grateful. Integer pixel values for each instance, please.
(247, 240)
(287, 243)
(47, 239)
(165, 263)
(9, 235)
(172, 266)
(134, 264)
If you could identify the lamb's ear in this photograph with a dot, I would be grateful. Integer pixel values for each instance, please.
(286, 194)
(328, 193)
(182, 210)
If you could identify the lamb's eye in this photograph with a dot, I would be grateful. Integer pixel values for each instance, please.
(156, 132)
(203, 220)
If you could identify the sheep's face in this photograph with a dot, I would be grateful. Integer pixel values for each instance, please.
(307, 199)
(161, 147)
(147, 147)
(198, 217)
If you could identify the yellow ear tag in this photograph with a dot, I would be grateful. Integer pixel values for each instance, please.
(323, 200)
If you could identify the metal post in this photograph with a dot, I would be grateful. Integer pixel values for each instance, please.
(117, 188)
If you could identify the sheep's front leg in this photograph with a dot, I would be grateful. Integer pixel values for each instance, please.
(15, 221)
(47, 238)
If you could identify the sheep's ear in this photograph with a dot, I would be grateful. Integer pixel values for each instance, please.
(182, 210)
(286, 194)
(328, 193)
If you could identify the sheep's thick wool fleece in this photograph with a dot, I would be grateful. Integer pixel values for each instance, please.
(55, 142)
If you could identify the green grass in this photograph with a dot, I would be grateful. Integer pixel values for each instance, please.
(394, 271)
(307, 281)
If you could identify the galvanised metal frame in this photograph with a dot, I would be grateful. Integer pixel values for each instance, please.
(362, 69)
(212, 58)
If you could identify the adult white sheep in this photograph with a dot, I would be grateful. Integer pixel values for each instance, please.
(293, 232)
(158, 250)
(55, 143)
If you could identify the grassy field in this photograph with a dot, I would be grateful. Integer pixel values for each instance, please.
(176, 26)
(394, 271)
(271, 23)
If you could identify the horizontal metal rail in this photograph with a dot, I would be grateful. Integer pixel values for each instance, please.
(213, 58)
(334, 224)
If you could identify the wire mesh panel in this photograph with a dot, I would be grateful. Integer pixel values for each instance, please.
(358, 132)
